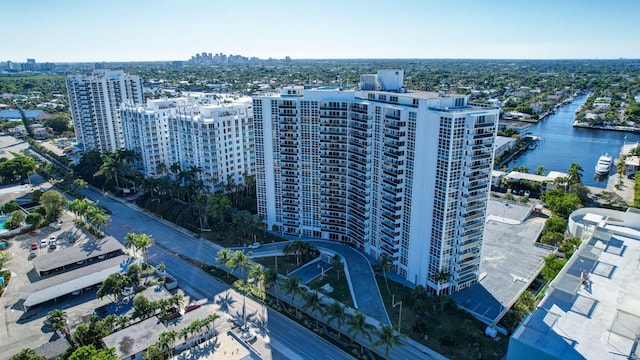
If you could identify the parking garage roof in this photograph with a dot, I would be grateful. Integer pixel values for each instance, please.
(82, 252)
(66, 283)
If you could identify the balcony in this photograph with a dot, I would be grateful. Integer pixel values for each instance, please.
(471, 216)
(472, 226)
(483, 125)
(470, 245)
(471, 261)
(465, 256)
(472, 235)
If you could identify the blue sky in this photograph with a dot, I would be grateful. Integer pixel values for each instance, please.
(137, 30)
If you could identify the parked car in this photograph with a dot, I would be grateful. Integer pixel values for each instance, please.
(33, 253)
(44, 243)
(255, 245)
(192, 306)
(34, 246)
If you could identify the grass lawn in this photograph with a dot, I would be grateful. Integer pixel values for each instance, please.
(286, 263)
(447, 322)
(340, 287)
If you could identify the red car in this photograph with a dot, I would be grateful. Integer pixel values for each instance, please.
(191, 306)
(34, 246)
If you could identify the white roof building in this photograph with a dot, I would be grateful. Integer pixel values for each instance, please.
(592, 308)
(214, 135)
(94, 101)
(395, 172)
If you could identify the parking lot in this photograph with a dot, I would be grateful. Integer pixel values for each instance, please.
(22, 329)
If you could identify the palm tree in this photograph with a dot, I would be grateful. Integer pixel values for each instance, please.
(387, 337)
(200, 207)
(27, 354)
(574, 174)
(238, 260)
(224, 256)
(130, 242)
(312, 303)
(76, 206)
(298, 248)
(176, 300)
(122, 321)
(98, 219)
(175, 169)
(140, 241)
(336, 261)
(561, 181)
(292, 286)
(271, 279)
(385, 265)
(358, 326)
(211, 319)
(161, 168)
(540, 170)
(166, 341)
(58, 320)
(144, 242)
(109, 168)
(335, 311)
(258, 273)
(442, 277)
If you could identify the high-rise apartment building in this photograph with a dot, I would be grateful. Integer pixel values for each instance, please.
(94, 101)
(390, 171)
(215, 136)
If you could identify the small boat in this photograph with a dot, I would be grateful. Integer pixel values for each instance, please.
(603, 167)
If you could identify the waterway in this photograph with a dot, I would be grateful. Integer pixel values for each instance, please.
(562, 145)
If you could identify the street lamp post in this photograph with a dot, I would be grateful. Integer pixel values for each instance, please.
(394, 304)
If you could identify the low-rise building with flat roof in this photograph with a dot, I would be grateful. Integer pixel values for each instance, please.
(522, 128)
(133, 341)
(502, 145)
(72, 257)
(54, 349)
(591, 309)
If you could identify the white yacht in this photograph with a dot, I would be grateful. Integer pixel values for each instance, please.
(603, 167)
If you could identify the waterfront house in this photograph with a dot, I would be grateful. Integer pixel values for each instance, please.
(522, 128)
(502, 145)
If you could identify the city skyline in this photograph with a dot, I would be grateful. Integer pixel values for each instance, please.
(66, 31)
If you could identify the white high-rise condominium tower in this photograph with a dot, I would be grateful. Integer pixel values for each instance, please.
(94, 101)
(389, 171)
(214, 136)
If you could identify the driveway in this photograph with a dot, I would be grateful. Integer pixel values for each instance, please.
(362, 280)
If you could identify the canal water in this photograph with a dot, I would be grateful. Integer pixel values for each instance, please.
(562, 145)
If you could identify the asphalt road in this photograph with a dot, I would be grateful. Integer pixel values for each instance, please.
(288, 340)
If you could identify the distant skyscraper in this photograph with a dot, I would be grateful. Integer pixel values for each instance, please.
(94, 101)
(213, 135)
(390, 171)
